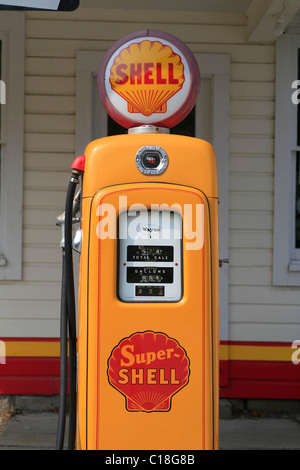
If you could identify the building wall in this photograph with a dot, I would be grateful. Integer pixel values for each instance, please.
(258, 312)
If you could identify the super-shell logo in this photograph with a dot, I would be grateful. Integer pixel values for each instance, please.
(147, 75)
(148, 369)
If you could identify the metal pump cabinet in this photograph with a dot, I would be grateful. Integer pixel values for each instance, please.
(148, 312)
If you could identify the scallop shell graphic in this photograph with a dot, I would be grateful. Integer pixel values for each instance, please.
(148, 368)
(147, 75)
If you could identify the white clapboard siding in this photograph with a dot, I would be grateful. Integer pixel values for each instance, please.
(277, 332)
(256, 109)
(89, 30)
(49, 123)
(252, 297)
(264, 295)
(47, 198)
(47, 161)
(253, 313)
(46, 104)
(250, 276)
(251, 219)
(252, 164)
(41, 235)
(248, 257)
(49, 66)
(257, 310)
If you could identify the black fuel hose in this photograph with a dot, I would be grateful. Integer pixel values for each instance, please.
(68, 327)
(63, 387)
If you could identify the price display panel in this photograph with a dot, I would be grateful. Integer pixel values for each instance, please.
(150, 257)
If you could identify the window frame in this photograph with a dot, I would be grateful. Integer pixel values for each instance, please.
(12, 36)
(286, 258)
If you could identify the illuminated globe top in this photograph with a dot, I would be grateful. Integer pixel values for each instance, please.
(148, 78)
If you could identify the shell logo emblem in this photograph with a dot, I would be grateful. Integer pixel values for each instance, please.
(147, 75)
(148, 368)
(148, 78)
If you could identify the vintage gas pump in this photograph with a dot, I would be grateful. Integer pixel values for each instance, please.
(148, 310)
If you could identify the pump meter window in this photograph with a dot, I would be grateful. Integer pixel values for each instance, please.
(150, 256)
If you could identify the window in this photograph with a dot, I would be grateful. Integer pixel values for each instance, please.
(286, 247)
(11, 143)
(186, 127)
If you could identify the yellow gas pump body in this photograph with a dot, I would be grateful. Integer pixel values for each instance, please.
(186, 331)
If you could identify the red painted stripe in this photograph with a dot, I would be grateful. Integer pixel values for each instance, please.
(247, 379)
(262, 379)
(38, 340)
(30, 366)
(288, 390)
(224, 365)
(264, 370)
(16, 385)
(238, 379)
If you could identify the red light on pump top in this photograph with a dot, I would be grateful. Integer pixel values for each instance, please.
(78, 163)
(148, 78)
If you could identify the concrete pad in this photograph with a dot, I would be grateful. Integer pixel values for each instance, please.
(34, 431)
(259, 434)
(37, 431)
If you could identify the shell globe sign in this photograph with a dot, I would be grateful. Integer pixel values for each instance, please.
(149, 77)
